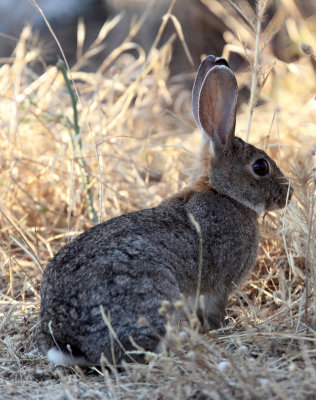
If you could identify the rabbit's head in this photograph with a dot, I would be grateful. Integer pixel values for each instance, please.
(229, 165)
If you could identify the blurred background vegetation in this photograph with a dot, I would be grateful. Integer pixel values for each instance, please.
(206, 26)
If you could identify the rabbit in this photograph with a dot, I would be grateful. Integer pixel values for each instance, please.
(97, 287)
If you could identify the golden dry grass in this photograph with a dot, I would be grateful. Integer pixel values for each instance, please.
(138, 142)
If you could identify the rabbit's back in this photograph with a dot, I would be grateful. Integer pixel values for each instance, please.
(130, 264)
(126, 265)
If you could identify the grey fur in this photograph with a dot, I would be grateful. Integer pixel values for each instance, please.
(131, 263)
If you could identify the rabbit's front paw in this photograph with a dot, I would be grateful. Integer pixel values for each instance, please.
(209, 322)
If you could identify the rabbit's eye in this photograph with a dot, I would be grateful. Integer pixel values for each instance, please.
(261, 167)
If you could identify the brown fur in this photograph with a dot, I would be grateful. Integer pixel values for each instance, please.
(124, 268)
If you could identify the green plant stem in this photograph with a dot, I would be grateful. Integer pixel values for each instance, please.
(81, 163)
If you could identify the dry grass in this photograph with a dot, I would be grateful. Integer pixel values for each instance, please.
(138, 140)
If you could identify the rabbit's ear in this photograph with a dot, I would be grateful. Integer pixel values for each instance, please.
(217, 106)
(208, 63)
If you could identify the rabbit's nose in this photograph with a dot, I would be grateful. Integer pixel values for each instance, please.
(291, 191)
